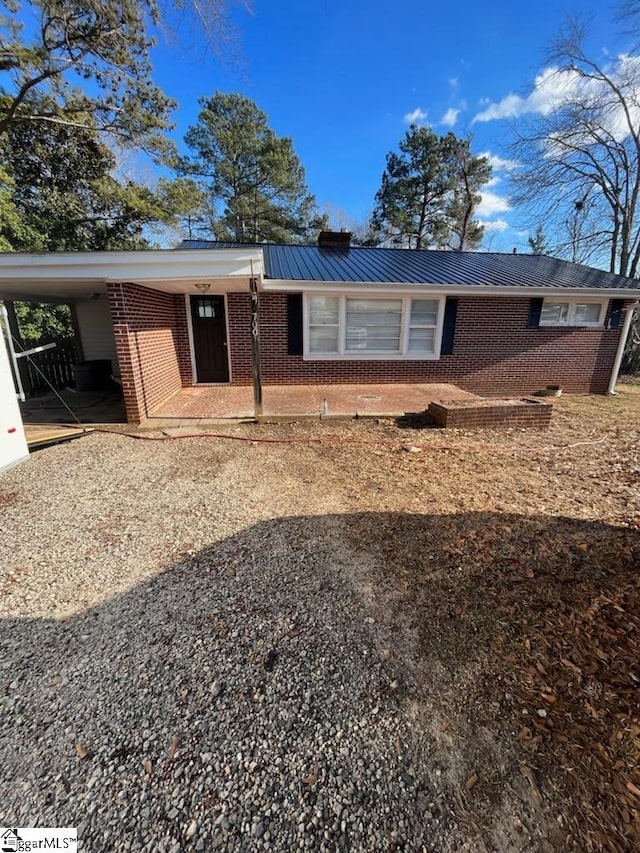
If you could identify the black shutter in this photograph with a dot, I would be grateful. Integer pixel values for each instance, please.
(535, 310)
(449, 325)
(615, 313)
(294, 323)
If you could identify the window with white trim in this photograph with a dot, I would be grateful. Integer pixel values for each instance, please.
(573, 312)
(324, 324)
(372, 326)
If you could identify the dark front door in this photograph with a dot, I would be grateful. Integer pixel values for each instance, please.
(210, 338)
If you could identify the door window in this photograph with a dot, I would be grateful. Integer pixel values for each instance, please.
(206, 308)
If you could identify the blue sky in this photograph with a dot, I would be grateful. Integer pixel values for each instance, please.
(341, 78)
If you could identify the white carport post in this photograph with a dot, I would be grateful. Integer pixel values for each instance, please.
(621, 347)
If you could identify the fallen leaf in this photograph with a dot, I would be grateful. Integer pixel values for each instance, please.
(571, 666)
(634, 789)
(527, 772)
(81, 750)
(311, 779)
(148, 766)
(175, 743)
(399, 749)
(471, 781)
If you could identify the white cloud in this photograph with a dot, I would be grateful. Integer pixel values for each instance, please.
(511, 105)
(499, 164)
(495, 225)
(551, 89)
(555, 88)
(418, 116)
(492, 203)
(453, 82)
(450, 117)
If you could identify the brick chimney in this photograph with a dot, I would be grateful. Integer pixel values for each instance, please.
(334, 239)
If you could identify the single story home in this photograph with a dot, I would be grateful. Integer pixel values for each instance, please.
(497, 324)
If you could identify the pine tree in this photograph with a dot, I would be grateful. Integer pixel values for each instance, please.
(253, 178)
(429, 192)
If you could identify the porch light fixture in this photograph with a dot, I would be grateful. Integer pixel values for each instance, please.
(203, 286)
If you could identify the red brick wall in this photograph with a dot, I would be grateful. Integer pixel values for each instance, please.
(182, 341)
(494, 352)
(148, 330)
(467, 414)
(239, 323)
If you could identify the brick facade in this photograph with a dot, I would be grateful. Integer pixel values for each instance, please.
(151, 343)
(182, 341)
(494, 352)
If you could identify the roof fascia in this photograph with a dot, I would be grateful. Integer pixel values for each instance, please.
(124, 266)
(287, 285)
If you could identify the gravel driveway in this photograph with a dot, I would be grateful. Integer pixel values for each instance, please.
(188, 660)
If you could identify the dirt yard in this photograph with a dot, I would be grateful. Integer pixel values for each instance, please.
(489, 582)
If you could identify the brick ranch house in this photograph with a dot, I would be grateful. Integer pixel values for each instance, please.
(497, 324)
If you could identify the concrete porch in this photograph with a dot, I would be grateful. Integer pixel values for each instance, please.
(204, 403)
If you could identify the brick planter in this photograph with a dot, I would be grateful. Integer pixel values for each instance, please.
(491, 414)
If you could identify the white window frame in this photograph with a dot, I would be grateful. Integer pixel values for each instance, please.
(402, 355)
(572, 303)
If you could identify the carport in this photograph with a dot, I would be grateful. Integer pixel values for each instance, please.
(131, 310)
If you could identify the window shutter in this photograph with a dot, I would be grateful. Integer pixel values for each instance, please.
(294, 324)
(615, 313)
(535, 309)
(449, 325)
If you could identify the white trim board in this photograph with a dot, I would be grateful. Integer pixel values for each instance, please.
(108, 265)
(425, 289)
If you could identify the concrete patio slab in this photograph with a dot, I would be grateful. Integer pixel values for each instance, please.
(236, 401)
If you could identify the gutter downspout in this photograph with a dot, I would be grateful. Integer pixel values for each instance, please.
(621, 347)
